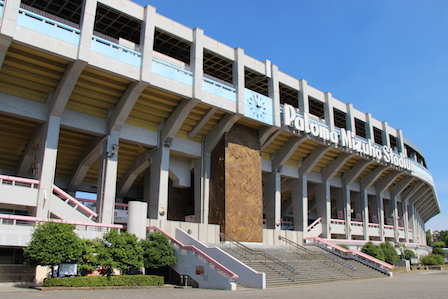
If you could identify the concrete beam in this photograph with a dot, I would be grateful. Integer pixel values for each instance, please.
(385, 182)
(30, 151)
(172, 125)
(65, 87)
(8, 26)
(89, 157)
(416, 196)
(372, 176)
(400, 186)
(125, 105)
(141, 162)
(205, 118)
(215, 134)
(311, 161)
(332, 169)
(411, 191)
(267, 136)
(286, 151)
(350, 176)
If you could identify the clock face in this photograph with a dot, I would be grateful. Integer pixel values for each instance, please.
(257, 106)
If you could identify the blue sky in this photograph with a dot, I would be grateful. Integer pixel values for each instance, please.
(386, 57)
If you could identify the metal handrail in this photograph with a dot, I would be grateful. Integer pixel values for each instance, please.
(325, 256)
(291, 271)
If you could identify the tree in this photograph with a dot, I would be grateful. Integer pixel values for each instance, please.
(53, 243)
(119, 251)
(89, 259)
(157, 251)
(408, 254)
(373, 250)
(439, 251)
(390, 254)
(432, 259)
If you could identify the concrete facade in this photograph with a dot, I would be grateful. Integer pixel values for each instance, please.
(130, 114)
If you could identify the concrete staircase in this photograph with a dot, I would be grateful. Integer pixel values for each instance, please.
(311, 268)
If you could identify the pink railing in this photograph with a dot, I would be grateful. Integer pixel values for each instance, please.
(117, 204)
(197, 251)
(337, 221)
(318, 220)
(22, 181)
(357, 223)
(374, 225)
(354, 252)
(15, 218)
(67, 198)
(389, 226)
(15, 181)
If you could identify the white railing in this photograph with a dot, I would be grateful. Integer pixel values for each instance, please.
(116, 46)
(48, 21)
(178, 69)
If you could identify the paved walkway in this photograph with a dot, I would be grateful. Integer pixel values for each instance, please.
(431, 284)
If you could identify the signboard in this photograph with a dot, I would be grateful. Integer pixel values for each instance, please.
(358, 217)
(67, 270)
(199, 270)
(121, 216)
(374, 219)
(340, 215)
(345, 138)
(390, 221)
(190, 218)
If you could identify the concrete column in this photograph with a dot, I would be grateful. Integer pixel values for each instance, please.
(197, 183)
(405, 220)
(8, 26)
(385, 134)
(274, 94)
(380, 204)
(107, 178)
(400, 142)
(365, 213)
(350, 119)
(347, 210)
(196, 61)
(412, 222)
(395, 213)
(159, 171)
(205, 196)
(238, 79)
(303, 99)
(323, 204)
(46, 165)
(87, 23)
(137, 218)
(369, 128)
(273, 200)
(328, 110)
(147, 42)
(299, 196)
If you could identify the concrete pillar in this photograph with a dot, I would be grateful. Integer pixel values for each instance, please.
(369, 128)
(46, 165)
(239, 79)
(197, 187)
(412, 222)
(137, 218)
(385, 134)
(405, 220)
(159, 171)
(299, 196)
(205, 190)
(196, 61)
(395, 215)
(273, 200)
(147, 42)
(350, 119)
(8, 26)
(400, 142)
(303, 100)
(380, 204)
(323, 204)
(347, 210)
(107, 178)
(328, 110)
(274, 94)
(365, 213)
(87, 23)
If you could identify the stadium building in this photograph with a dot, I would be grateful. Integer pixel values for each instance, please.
(113, 99)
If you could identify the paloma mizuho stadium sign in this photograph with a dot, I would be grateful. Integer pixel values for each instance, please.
(344, 138)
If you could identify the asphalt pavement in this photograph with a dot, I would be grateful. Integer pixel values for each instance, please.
(430, 284)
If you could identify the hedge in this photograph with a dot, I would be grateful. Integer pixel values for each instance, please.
(100, 281)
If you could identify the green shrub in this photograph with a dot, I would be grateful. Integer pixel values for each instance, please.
(439, 251)
(432, 259)
(408, 254)
(373, 250)
(100, 281)
(390, 254)
(157, 251)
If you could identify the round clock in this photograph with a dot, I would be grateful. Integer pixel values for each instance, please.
(256, 106)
